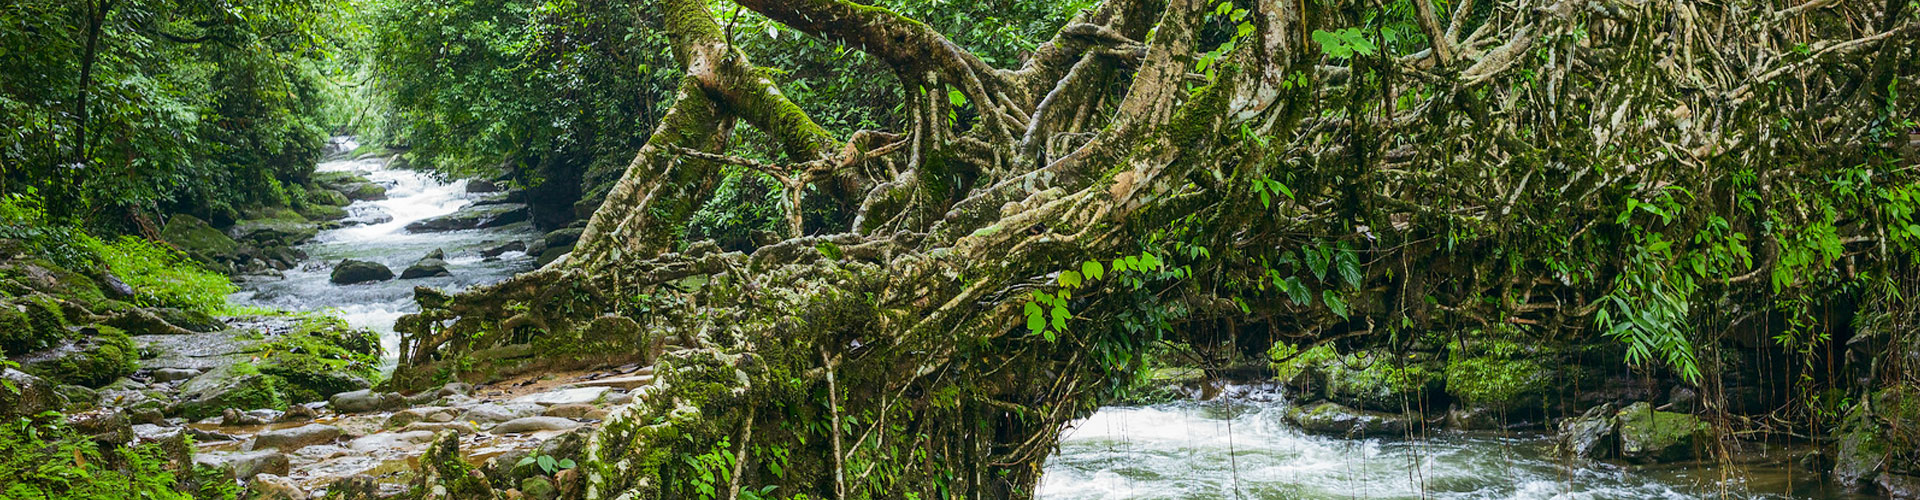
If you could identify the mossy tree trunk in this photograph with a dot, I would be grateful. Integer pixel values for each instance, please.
(1285, 164)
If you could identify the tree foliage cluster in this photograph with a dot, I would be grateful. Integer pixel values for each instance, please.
(120, 110)
(560, 93)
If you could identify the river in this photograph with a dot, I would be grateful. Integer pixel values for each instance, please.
(1232, 450)
(376, 231)
(1238, 449)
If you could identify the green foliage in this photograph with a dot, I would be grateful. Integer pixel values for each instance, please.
(1047, 312)
(1345, 42)
(161, 276)
(186, 105)
(546, 463)
(49, 461)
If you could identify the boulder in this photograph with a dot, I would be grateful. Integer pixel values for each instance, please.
(1333, 419)
(327, 197)
(297, 437)
(274, 232)
(99, 356)
(433, 265)
(193, 321)
(1589, 436)
(472, 217)
(422, 414)
(365, 401)
(105, 425)
(495, 412)
(1648, 435)
(235, 418)
(31, 323)
(245, 466)
(482, 186)
(573, 411)
(352, 187)
(164, 375)
(511, 246)
(272, 487)
(1899, 486)
(225, 387)
(199, 239)
(528, 425)
(390, 440)
(351, 271)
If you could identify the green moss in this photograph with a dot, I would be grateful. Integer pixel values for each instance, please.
(1494, 374)
(1658, 435)
(319, 357)
(104, 355)
(31, 323)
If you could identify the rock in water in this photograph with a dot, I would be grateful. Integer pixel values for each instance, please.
(1588, 436)
(434, 265)
(359, 271)
(1659, 436)
(472, 217)
(1332, 419)
(511, 246)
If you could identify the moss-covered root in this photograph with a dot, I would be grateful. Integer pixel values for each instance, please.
(445, 474)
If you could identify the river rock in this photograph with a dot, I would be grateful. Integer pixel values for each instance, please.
(172, 374)
(197, 238)
(1589, 436)
(233, 417)
(482, 186)
(472, 217)
(424, 414)
(390, 440)
(1648, 435)
(1899, 486)
(577, 395)
(351, 271)
(528, 425)
(574, 411)
(433, 265)
(221, 388)
(365, 401)
(297, 437)
(511, 246)
(538, 488)
(274, 232)
(99, 356)
(1333, 419)
(245, 465)
(105, 425)
(272, 487)
(495, 412)
(328, 197)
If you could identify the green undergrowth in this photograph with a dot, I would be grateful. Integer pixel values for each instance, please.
(43, 459)
(159, 275)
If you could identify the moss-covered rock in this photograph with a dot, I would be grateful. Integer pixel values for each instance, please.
(1497, 375)
(199, 239)
(274, 232)
(1650, 435)
(1881, 435)
(29, 395)
(1332, 419)
(321, 357)
(239, 386)
(100, 355)
(31, 323)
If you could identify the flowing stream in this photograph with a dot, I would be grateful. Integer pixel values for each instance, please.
(376, 231)
(1224, 449)
(1245, 450)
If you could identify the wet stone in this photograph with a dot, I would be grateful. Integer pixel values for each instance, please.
(534, 424)
(297, 437)
(244, 466)
(173, 374)
(273, 487)
(364, 401)
(565, 396)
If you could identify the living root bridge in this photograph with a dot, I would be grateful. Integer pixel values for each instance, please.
(1524, 162)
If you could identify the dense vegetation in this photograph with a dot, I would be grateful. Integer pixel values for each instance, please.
(120, 111)
(891, 249)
